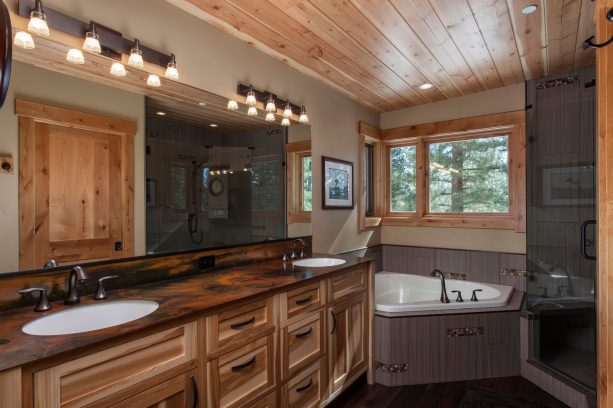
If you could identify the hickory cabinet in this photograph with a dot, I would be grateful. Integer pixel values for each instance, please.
(297, 349)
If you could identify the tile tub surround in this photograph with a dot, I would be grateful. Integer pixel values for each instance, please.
(442, 348)
(477, 266)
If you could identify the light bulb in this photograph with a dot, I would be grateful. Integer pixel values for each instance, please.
(252, 111)
(154, 81)
(23, 40)
(287, 113)
(136, 56)
(118, 70)
(270, 117)
(92, 41)
(38, 21)
(270, 105)
(232, 105)
(250, 100)
(171, 71)
(285, 122)
(303, 116)
(75, 56)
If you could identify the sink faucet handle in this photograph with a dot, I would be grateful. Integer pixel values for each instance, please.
(459, 298)
(474, 296)
(43, 303)
(100, 292)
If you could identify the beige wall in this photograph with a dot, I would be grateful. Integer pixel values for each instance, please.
(215, 61)
(40, 85)
(510, 98)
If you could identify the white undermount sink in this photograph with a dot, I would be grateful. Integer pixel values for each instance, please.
(81, 319)
(319, 262)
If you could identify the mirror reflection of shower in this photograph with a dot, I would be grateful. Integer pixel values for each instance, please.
(211, 187)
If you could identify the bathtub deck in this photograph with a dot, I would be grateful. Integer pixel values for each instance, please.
(444, 395)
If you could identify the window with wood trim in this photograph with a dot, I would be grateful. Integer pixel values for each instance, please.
(299, 182)
(460, 173)
(370, 208)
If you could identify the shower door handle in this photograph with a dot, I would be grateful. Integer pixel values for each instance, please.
(584, 239)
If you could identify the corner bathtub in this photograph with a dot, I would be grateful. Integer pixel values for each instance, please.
(401, 292)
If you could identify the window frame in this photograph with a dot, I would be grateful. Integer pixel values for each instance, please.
(295, 209)
(370, 135)
(510, 124)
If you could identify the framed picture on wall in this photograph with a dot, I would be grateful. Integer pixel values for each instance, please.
(564, 186)
(337, 185)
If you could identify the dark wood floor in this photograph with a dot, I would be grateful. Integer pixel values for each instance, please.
(443, 395)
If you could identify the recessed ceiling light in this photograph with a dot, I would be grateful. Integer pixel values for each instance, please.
(427, 85)
(201, 103)
(213, 125)
(160, 113)
(529, 9)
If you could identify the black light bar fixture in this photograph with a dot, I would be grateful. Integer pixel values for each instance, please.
(265, 96)
(112, 42)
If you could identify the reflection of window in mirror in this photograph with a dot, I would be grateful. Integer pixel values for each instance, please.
(204, 202)
(178, 188)
(300, 182)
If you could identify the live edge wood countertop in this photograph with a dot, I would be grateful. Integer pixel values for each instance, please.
(180, 300)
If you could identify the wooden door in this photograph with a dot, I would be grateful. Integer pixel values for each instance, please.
(178, 392)
(348, 340)
(76, 188)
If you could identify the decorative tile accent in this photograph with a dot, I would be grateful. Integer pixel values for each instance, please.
(454, 275)
(553, 83)
(465, 331)
(391, 368)
(521, 273)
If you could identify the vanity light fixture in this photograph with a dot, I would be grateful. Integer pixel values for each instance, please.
(75, 56)
(252, 111)
(285, 122)
(251, 100)
(425, 86)
(24, 40)
(92, 40)
(287, 113)
(232, 105)
(529, 9)
(171, 70)
(303, 115)
(270, 105)
(136, 56)
(154, 81)
(118, 70)
(38, 20)
(270, 117)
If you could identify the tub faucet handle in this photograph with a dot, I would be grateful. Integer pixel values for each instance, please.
(474, 296)
(459, 298)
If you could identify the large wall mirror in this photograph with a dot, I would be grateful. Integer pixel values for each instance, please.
(105, 170)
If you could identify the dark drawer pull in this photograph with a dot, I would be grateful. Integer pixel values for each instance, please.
(306, 333)
(333, 322)
(304, 301)
(244, 365)
(305, 387)
(242, 324)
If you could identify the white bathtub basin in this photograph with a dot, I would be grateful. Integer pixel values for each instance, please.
(400, 292)
(82, 319)
(319, 262)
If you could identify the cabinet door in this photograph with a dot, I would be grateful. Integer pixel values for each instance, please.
(348, 340)
(179, 392)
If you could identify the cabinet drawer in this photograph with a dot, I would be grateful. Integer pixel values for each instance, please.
(302, 343)
(350, 282)
(238, 322)
(242, 374)
(269, 401)
(83, 381)
(307, 389)
(305, 299)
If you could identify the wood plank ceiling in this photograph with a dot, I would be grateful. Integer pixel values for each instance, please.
(380, 51)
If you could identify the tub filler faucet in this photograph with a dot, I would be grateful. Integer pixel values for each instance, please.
(444, 297)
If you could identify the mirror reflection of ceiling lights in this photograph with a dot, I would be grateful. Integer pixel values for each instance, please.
(269, 102)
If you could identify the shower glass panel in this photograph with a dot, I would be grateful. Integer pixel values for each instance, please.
(561, 233)
(213, 186)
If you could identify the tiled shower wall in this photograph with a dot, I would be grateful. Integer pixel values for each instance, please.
(479, 266)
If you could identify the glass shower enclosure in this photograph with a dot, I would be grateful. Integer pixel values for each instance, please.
(561, 230)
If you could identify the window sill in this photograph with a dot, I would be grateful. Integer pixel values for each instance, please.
(370, 222)
(506, 221)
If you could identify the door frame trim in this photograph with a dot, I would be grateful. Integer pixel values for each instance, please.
(30, 113)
